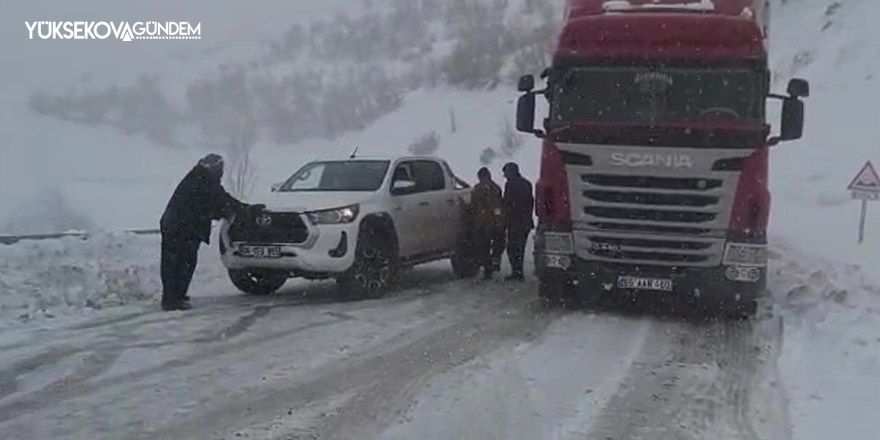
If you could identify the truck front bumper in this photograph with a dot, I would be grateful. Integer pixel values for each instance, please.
(593, 278)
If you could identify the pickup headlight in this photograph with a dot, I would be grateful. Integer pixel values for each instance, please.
(335, 216)
(738, 254)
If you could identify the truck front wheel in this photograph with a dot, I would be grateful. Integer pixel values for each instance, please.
(257, 282)
(558, 290)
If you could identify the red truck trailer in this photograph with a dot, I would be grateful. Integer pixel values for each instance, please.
(655, 151)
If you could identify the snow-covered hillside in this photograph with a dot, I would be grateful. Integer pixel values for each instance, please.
(833, 44)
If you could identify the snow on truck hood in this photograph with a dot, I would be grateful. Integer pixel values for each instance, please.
(305, 201)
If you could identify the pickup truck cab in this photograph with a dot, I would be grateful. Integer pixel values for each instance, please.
(358, 220)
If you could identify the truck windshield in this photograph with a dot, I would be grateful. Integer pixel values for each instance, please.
(359, 175)
(656, 96)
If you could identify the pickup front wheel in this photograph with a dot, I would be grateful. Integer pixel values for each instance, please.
(257, 282)
(374, 268)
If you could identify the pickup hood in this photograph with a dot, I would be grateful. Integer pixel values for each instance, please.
(313, 201)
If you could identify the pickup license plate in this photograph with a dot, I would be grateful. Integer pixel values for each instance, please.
(628, 282)
(260, 251)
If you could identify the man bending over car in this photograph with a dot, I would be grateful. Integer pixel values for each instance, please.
(186, 224)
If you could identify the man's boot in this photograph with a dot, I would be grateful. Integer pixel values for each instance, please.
(178, 304)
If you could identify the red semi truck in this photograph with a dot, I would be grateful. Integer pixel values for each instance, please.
(654, 162)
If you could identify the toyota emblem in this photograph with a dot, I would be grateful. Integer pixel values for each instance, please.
(264, 220)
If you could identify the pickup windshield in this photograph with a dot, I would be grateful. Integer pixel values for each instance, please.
(642, 95)
(359, 175)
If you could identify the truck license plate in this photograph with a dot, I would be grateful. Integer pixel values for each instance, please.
(260, 251)
(628, 282)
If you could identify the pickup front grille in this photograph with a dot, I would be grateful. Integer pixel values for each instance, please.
(269, 227)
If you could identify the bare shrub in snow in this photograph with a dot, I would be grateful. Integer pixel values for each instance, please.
(426, 144)
(240, 177)
(487, 156)
(510, 140)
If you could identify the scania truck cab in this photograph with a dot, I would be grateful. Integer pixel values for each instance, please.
(654, 162)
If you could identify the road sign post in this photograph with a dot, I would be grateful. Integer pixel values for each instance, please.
(862, 221)
(865, 187)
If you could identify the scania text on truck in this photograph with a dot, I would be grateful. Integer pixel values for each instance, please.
(655, 151)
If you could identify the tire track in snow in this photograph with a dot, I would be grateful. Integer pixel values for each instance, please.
(693, 381)
(384, 380)
(123, 336)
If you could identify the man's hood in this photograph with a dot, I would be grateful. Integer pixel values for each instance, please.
(305, 201)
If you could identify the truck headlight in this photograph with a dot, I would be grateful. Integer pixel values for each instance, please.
(556, 243)
(334, 216)
(739, 254)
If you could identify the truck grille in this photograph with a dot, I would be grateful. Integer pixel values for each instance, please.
(281, 227)
(651, 220)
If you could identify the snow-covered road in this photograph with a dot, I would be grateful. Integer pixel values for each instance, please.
(439, 359)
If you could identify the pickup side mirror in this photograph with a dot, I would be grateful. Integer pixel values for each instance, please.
(792, 126)
(402, 186)
(526, 83)
(276, 186)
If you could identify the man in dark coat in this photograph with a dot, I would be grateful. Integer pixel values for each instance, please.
(518, 207)
(488, 222)
(186, 224)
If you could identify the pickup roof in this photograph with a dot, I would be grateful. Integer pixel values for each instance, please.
(359, 221)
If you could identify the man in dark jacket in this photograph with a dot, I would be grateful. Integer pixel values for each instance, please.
(186, 223)
(488, 222)
(518, 207)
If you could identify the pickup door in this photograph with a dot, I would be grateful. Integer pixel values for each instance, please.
(420, 213)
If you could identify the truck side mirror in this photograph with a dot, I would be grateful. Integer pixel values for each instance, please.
(792, 126)
(526, 83)
(276, 186)
(798, 88)
(525, 113)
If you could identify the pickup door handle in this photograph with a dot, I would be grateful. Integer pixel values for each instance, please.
(424, 203)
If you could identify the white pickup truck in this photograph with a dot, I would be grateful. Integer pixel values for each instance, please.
(357, 220)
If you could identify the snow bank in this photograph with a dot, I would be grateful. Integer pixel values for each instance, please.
(830, 360)
(47, 278)
(42, 277)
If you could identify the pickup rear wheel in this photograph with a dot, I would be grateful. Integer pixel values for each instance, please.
(257, 282)
(374, 268)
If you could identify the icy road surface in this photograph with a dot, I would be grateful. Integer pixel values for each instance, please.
(440, 359)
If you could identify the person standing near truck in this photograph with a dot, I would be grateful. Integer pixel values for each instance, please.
(486, 202)
(518, 207)
(186, 223)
